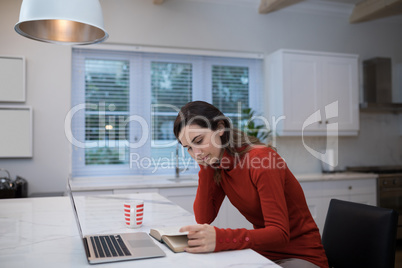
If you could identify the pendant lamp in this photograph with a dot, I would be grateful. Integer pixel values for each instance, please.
(71, 22)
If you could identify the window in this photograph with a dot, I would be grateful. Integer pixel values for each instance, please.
(171, 88)
(230, 90)
(107, 85)
(124, 104)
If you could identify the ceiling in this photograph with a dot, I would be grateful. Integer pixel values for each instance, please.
(366, 10)
(352, 2)
(361, 10)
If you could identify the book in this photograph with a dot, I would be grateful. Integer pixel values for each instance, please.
(171, 236)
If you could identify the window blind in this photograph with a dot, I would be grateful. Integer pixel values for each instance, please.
(230, 90)
(107, 86)
(171, 87)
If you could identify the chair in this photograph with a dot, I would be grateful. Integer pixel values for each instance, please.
(357, 235)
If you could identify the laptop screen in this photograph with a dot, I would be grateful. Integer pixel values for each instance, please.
(70, 193)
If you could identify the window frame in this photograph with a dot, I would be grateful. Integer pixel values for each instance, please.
(140, 93)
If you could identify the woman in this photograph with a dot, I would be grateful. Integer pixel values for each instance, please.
(257, 182)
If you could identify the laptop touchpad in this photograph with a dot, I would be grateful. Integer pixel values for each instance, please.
(141, 243)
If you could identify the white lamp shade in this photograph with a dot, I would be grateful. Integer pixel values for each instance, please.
(62, 21)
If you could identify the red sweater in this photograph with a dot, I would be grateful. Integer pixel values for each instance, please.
(262, 188)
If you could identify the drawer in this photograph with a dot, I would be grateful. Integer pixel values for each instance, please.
(312, 188)
(178, 191)
(349, 187)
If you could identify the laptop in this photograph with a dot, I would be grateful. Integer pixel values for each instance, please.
(116, 247)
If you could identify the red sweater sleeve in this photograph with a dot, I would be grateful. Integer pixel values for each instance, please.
(269, 183)
(209, 197)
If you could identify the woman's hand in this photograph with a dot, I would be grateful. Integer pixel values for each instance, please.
(201, 238)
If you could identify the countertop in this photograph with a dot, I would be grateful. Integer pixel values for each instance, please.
(335, 176)
(148, 182)
(132, 182)
(42, 232)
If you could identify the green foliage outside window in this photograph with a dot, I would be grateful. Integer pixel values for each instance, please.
(249, 125)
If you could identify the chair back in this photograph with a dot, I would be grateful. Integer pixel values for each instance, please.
(358, 235)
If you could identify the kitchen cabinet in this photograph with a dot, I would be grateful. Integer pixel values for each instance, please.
(97, 192)
(319, 193)
(319, 189)
(182, 196)
(230, 217)
(312, 93)
(13, 79)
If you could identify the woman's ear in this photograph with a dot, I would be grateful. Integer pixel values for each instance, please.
(221, 128)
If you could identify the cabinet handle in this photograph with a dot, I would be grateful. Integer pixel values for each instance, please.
(320, 122)
(350, 187)
(326, 121)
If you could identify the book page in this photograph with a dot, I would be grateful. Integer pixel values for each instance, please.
(170, 230)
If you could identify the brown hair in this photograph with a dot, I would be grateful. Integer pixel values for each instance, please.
(205, 115)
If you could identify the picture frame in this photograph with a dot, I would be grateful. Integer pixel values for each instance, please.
(16, 131)
(12, 77)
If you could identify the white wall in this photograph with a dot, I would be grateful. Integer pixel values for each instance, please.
(48, 92)
(192, 24)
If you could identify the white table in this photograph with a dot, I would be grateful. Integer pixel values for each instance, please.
(42, 232)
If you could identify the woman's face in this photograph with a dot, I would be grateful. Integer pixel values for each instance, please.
(203, 144)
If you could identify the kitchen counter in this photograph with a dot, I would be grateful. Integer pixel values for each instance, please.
(335, 176)
(132, 182)
(149, 182)
(42, 232)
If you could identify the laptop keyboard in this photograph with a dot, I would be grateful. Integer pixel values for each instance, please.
(109, 246)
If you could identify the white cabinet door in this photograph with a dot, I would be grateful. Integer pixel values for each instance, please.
(182, 196)
(135, 190)
(364, 199)
(319, 194)
(312, 90)
(318, 207)
(340, 78)
(94, 192)
(230, 217)
(301, 90)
